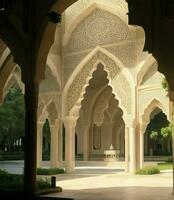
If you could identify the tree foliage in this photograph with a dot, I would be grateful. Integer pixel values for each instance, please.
(166, 132)
(159, 128)
(12, 118)
(165, 86)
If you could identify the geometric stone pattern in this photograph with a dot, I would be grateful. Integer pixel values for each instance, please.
(71, 61)
(76, 87)
(125, 53)
(99, 28)
(81, 5)
(123, 89)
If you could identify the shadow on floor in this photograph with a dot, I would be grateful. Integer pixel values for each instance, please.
(4, 195)
(86, 173)
(120, 193)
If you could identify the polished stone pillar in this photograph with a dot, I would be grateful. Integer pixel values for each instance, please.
(86, 144)
(70, 123)
(60, 143)
(54, 160)
(141, 148)
(126, 149)
(39, 144)
(31, 103)
(132, 150)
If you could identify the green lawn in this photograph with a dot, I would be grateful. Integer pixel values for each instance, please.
(164, 166)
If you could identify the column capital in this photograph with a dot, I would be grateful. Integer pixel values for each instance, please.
(130, 122)
(70, 121)
(40, 123)
(56, 124)
(39, 126)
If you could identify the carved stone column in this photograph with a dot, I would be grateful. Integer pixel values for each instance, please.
(86, 144)
(142, 130)
(39, 144)
(54, 157)
(70, 123)
(60, 143)
(132, 150)
(126, 149)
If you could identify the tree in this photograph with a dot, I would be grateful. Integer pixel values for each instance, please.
(166, 132)
(12, 118)
(159, 128)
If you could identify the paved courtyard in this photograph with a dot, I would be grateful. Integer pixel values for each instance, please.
(107, 183)
(110, 184)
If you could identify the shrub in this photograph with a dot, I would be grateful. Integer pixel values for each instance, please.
(53, 171)
(11, 181)
(148, 171)
(43, 184)
(3, 172)
(11, 156)
(169, 159)
(16, 182)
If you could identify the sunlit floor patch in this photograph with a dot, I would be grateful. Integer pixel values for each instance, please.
(112, 186)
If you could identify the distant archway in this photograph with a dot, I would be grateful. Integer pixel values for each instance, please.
(46, 141)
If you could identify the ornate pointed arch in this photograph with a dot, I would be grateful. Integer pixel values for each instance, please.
(47, 40)
(145, 118)
(53, 69)
(3, 46)
(5, 71)
(146, 65)
(13, 79)
(91, 104)
(4, 53)
(48, 111)
(89, 9)
(101, 105)
(40, 109)
(52, 112)
(118, 77)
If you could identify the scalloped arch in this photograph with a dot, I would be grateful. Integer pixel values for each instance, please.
(90, 106)
(145, 67)
(79, 80)
(13, 79)
(145, 118)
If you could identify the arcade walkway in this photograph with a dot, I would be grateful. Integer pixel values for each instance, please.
(107, 184)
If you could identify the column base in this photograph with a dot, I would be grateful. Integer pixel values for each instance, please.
(55, 164)
(70, 167)
(126, 168)
(39, 165)
(132, 171)
(85, 158)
